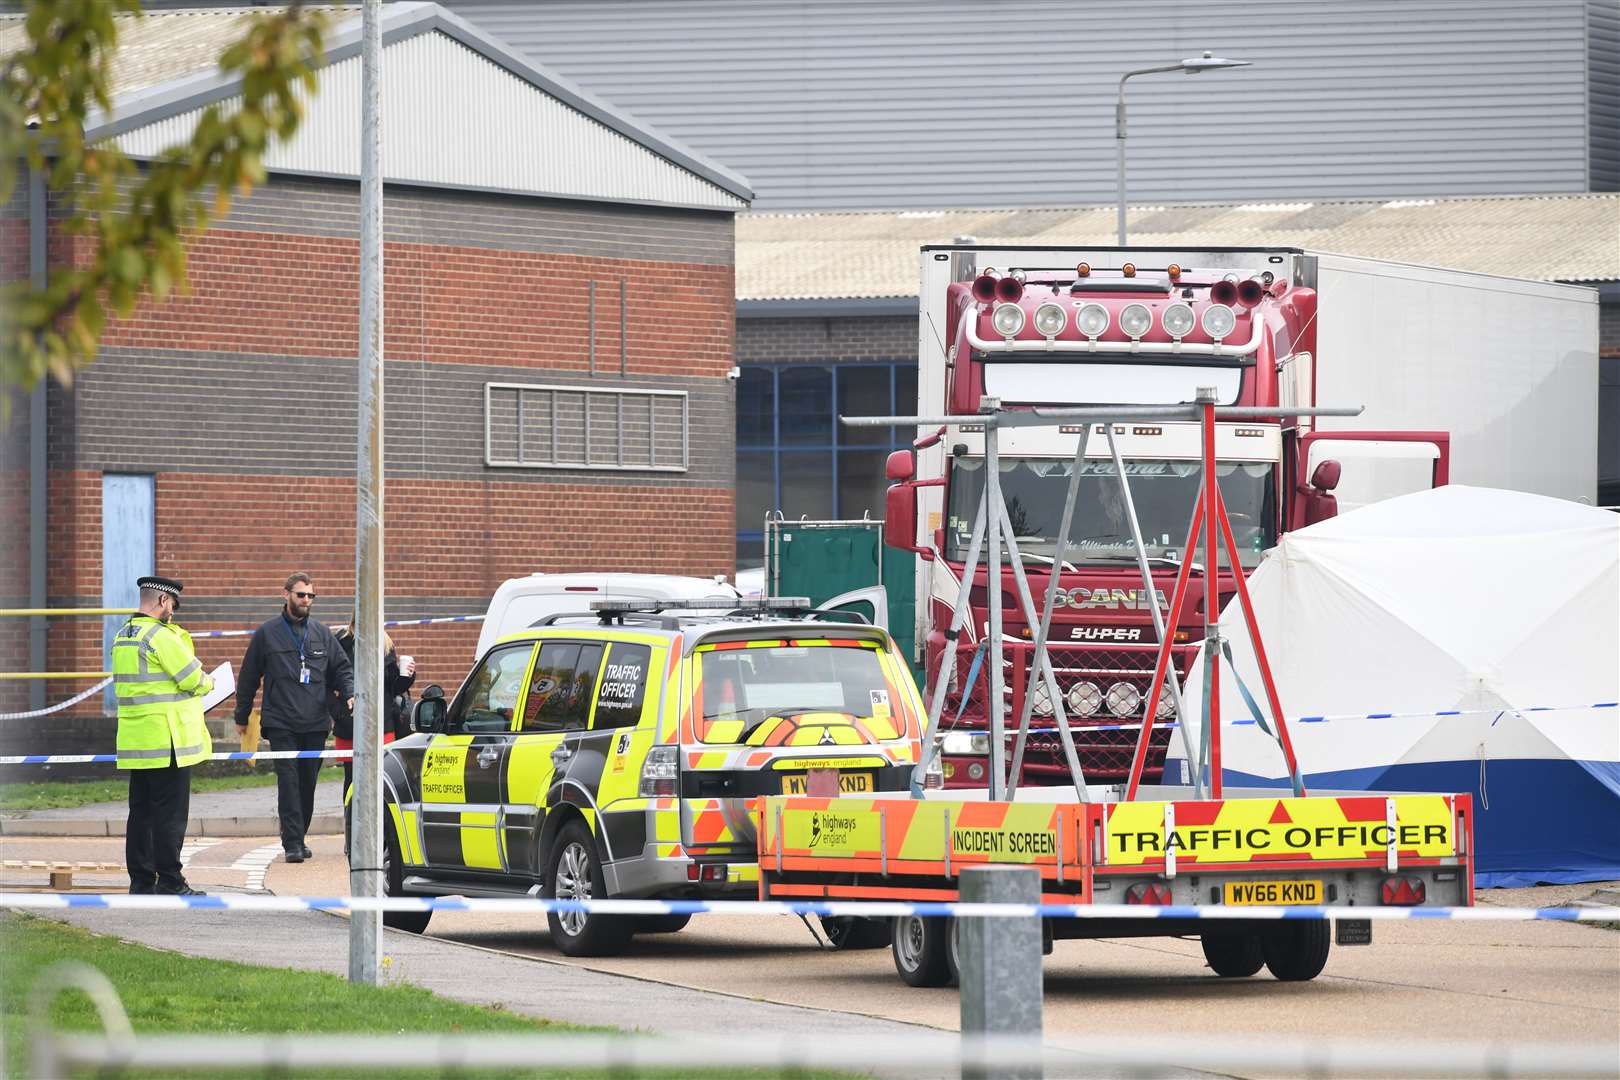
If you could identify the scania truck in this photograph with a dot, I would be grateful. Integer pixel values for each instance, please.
(1464, 377)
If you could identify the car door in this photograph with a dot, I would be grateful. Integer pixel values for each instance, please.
(556, 704)
(462, 768)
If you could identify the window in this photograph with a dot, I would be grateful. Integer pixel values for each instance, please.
(560, 690)
(576, 427)
(793, 456)
(487, 702)
(743, 688)
(624, 686)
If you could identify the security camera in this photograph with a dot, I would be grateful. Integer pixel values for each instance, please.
(734, 374)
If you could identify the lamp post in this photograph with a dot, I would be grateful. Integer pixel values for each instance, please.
(1191, 66)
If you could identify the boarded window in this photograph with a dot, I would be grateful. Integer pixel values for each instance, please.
(574, 427)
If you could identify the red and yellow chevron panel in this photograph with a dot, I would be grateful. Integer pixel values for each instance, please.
(1257, 830)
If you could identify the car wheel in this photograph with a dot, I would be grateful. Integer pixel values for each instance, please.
(394, 881)
(921, 950)
(575, 873)
(1296, 950)
(855, 932)
(1234, 956)
(662, 924)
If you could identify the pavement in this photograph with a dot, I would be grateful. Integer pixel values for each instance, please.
(242, 812)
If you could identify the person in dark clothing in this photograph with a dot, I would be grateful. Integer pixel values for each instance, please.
(399, 673)
(300, 662)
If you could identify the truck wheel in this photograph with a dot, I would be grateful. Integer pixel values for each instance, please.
(1296, 950)
(921, 950)
(575, 873)
(855, 932)
(394, 882)
(662, 924)
(1234, 956)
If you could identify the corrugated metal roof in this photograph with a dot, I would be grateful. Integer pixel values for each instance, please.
(479, 116)
(869, 255)
(850, 104)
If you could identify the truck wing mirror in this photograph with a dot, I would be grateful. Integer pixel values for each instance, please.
(1326, 475)
(900, 517)
(899, 467)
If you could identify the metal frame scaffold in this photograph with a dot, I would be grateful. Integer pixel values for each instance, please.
(992, 530)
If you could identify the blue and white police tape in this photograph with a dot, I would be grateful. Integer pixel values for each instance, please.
(1012, 729)
(234, 755)
(60, 705)
(390, 622)
(864, 908)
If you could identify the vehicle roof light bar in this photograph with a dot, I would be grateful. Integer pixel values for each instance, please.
(749, 606)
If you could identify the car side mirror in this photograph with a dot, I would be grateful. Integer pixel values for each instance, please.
(431, 712)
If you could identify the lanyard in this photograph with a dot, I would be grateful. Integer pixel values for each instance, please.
(299, 641)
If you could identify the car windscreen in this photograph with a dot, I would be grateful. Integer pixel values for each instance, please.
(746, 683)
(1100, 534)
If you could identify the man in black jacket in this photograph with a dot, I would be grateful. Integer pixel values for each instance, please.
(300, 663)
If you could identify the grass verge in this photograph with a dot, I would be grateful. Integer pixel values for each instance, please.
(58, 794)
(172, 992)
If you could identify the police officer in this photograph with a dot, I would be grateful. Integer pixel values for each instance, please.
(300, 663)
(159, 684)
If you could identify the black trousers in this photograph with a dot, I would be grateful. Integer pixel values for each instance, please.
(159, 803)
(295, 783)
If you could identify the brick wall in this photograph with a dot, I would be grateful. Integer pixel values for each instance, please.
(843, 340)
(14, 478)
(240, 397)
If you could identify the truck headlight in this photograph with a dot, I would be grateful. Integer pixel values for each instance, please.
(965, 743)
(1042, 705)
(1219, 320)
(1092, 320)
(1124, 699)
(1008, 319)
(1050, 320)
(1085, 698)
(1135, 320)
(1178, 320)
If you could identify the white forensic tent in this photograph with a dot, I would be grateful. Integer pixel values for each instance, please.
(1473, 609)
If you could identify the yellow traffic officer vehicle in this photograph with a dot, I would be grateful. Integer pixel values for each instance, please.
(619, 753)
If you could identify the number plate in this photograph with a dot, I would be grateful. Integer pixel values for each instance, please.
(847, 783)
(1251, 893)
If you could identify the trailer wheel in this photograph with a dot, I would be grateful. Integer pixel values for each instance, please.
(1234, 956)
(1296, 950)
(855, 932)
(922, 950)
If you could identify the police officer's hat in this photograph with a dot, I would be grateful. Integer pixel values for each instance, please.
(163, 585)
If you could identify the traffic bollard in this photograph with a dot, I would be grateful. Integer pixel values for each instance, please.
(999, 964)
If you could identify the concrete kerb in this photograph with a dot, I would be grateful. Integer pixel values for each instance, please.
(320, 825)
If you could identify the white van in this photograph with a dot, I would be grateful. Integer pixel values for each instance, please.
(522, 602)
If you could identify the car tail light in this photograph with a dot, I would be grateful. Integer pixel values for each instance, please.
(706, 871)
(660, 773)
(1151, 893)
(1404, 891)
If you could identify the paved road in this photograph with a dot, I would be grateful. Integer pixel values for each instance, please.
(1480, 982)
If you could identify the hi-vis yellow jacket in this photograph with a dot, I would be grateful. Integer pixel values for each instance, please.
(159, 683)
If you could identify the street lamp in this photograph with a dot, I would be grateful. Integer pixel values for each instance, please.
(1191, 66)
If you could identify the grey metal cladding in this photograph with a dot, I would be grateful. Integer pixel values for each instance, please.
(1603, 74)
(316, 207)
(250, 414)
(932, 103)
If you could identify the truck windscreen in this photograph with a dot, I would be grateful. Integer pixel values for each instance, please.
(1100, 533)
